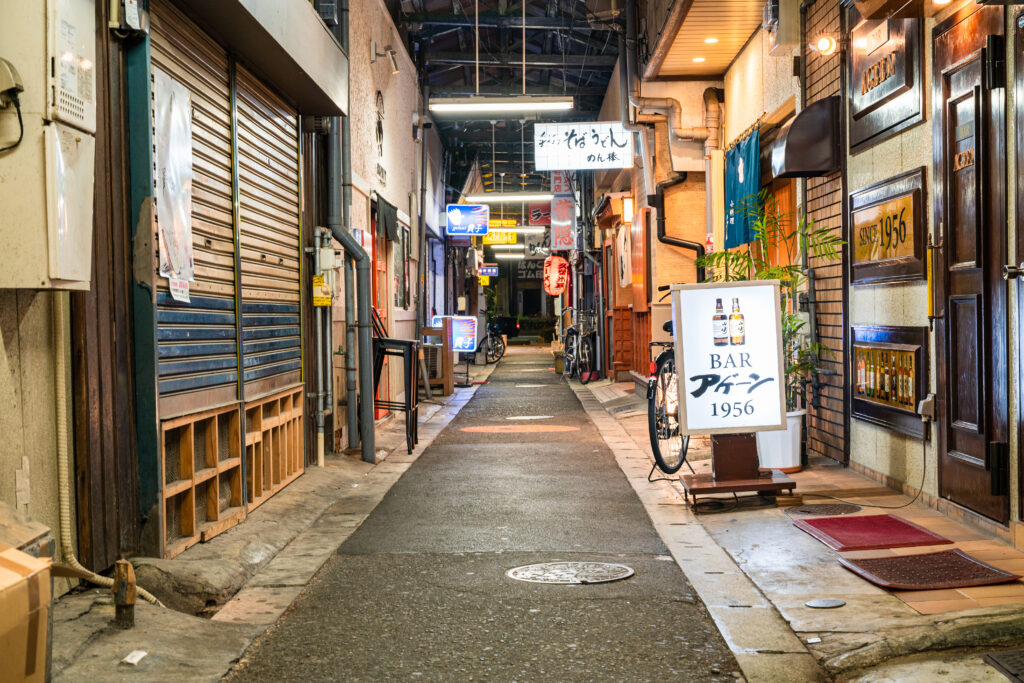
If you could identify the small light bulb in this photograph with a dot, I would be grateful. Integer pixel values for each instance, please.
(826, 45)
(711, 41)
(698, 59)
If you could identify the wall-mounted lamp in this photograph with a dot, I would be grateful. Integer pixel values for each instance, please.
(389, 52)
(826, 45)
(627, 210)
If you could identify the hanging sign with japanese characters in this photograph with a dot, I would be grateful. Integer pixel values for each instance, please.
(500, 237)
(463, 333)
(581, 145)
(729, 357)
(489, 270)
(563, 212)
(556, 275)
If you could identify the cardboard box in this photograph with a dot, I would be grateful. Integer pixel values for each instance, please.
(24, 615)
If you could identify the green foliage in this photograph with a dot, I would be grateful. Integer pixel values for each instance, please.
(778, 241)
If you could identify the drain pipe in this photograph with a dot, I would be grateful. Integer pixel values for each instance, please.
(640, 131)
(713, 143)
(351, 403)
(659, 206)
(67, 551)
(356, 251)
(318, 316)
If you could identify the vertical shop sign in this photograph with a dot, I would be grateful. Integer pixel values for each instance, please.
(563, 212)
(172, 114)
(729, 355)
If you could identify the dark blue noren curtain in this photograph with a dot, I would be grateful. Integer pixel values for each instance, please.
(387, 217)
(742, 179)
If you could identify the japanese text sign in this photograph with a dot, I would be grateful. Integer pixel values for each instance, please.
(463, 333)
(581, 145)
(501, 237)
(561, 183)
(468, 219)
(563, 222)
(489, 270)
(729, 357)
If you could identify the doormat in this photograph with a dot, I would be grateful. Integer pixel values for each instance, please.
(824, 509)
(868, 532)
(930, 571)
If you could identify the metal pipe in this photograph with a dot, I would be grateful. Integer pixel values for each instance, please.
(351, 417)
(318, 318)
(659, 206)
(712, 121)
(349, 243)
(624, 114)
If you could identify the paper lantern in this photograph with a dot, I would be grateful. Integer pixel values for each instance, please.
(556, 275)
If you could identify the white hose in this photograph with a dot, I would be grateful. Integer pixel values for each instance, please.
(63, 487)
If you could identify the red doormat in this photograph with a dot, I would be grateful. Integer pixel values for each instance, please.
(931, 571)
(868, 532)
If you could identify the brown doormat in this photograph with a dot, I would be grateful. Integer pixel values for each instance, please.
(868, 532)
(930, 571)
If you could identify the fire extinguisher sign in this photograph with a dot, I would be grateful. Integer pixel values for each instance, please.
(729, 357)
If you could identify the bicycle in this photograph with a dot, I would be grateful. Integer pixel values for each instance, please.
(668, 446)
(494, 344)
(578, 348)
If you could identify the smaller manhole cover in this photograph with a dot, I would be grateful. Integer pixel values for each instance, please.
(825, 603)
(824, 509)
(570, 572)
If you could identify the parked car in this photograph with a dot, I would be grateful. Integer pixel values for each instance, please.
(506, 325)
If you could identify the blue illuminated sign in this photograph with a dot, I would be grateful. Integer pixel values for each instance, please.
(489, 271)
(463, 333)
(468, 219)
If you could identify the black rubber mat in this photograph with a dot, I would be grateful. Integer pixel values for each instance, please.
(1010, 664)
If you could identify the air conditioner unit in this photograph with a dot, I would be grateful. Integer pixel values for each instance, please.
(432, 357)
(782, 21)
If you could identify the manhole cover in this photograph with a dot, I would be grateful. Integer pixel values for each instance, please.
(825, 603)
(570, 572)
(824, 509)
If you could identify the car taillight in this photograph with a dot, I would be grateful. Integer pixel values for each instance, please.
(654, 368)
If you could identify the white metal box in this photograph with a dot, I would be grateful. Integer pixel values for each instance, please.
(46, 182)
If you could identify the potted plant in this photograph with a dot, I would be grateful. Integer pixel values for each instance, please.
(779, 252)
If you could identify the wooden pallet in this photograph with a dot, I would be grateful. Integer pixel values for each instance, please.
(273, 444)
(202, 477)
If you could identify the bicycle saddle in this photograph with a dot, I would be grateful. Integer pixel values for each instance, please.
(667, 326)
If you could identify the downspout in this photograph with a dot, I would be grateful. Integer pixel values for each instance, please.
(640, 131)
(355, 250)
(659, 206)
(318, 315)
(713, 122)
(351, 417)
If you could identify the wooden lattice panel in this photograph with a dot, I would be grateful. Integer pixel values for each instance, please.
(273, 444)
(200, 457)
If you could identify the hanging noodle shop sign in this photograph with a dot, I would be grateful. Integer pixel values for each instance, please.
(729, 355)
(559, 146)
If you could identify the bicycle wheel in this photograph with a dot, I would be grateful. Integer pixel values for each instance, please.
(495, 348)
(668, 446)
(569, 351)
(586, 359)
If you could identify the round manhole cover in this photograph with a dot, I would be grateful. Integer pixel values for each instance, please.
(825, 603)
(570, 572)
(824, 509)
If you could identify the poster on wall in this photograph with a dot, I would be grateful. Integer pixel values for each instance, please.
(582, 145)
(172, 117)
(729, 356)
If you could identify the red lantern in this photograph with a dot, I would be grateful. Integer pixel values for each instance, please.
(556, 275)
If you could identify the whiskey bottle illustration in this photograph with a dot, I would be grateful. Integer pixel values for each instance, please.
(737, 328)
(720, 325)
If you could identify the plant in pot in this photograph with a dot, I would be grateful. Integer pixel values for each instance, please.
(779, 251)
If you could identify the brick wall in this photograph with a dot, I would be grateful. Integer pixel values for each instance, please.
(827, 424)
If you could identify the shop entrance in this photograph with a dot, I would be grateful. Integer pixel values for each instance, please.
(970, 215)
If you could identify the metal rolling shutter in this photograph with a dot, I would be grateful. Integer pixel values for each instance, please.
(198, 362)
(268, 185)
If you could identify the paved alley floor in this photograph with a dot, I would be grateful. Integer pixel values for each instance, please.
(521, 476)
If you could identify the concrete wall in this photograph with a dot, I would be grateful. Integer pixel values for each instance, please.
(28, 420)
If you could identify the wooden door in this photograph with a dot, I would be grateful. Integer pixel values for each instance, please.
(970, 218)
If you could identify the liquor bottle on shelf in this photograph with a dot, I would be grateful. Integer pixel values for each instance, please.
(911, 382)
(871, 374)
(901, 392)
(884, 358)
(720, 325)
(737, 328)
(860, 372)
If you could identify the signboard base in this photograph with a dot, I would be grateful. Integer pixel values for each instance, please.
(734, 469)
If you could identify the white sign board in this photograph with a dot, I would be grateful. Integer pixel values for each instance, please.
(563, 146)
(729, 357)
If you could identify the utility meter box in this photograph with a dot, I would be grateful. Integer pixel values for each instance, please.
(46, 182)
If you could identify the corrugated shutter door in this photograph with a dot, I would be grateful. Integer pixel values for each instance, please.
(198, 360)
(268, 184)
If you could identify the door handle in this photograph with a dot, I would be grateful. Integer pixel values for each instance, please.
(1013, 272)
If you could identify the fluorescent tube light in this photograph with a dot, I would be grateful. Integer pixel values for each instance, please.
(506, 197)
(508, 247)
(527, 230)
(500, 105)
(510, 256)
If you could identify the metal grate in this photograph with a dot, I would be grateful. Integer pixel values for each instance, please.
(1010, 664)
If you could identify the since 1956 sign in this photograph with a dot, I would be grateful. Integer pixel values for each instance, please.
(729, 357)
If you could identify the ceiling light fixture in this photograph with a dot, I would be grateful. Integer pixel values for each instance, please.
(711, 41)
(486, 106)
(510, 256)
(527, 230)
(499, 197)
(698, 59)
(507, 247)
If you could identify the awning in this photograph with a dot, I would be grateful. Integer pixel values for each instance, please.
(808, 146)
(387, 218)
(286, 43)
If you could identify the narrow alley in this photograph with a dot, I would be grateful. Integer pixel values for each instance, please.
(520, 477)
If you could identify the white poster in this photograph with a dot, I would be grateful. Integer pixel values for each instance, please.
(563, 146)
(729, 357)
(172, 117)
(624, 256)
